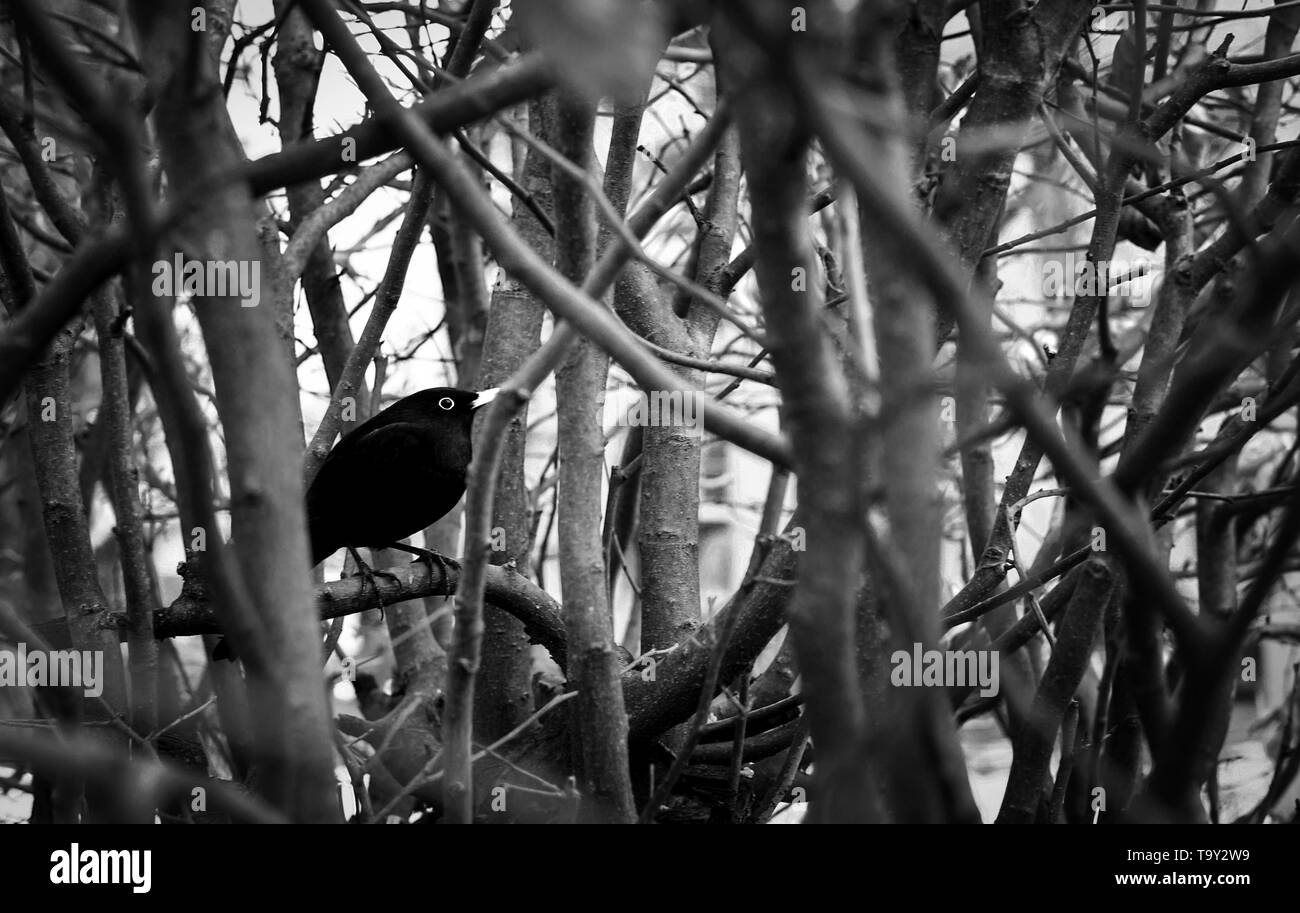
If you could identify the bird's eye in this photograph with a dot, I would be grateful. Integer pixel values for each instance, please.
(446, 403)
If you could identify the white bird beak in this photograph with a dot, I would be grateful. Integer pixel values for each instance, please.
(484, 397)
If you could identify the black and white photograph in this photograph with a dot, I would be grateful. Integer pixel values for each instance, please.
(650, 412)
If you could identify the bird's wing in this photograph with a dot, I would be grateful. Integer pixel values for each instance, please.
(392, 442)
(349, 476)
(367, 452)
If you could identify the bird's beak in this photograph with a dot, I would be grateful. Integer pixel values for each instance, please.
(484, 397)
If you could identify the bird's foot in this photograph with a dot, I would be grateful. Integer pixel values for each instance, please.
(368, 575)
(430, 558)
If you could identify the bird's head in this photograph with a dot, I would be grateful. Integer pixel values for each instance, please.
(450, 401)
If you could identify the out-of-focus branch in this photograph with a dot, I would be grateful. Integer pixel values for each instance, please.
(313, 225)
(118, 131)
(1070, 658)
(1224, 346)
(138, 786)
(774, 146)
(593, 668)
(668, 694)
(49, 422)
(455, 106)
(514, 319)
(669, 511)
(479, 211)
(1020, 53)
(624, 484)
(1120, 518)
(297, 77)
(115, 410)
(911, 732)
(257, 401)
(96, 261)
(587, 315)
(116, 413)
(352, 380)
(67, 218)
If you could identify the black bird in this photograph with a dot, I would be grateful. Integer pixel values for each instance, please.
(400, 471)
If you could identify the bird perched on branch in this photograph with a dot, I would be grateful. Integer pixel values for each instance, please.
(395, 474)
(400, 471)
